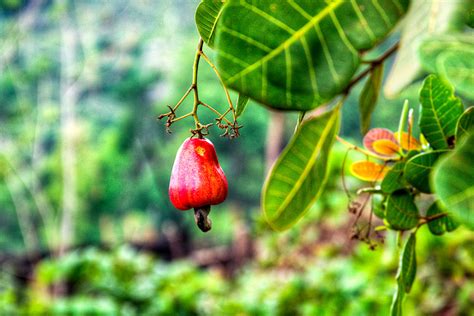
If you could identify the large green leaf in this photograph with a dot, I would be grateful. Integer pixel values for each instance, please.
(207, 16)
(451, 57)
(465, 123)
(298, 176)
(296, 55)
(424, 18)
(439, 113)
(418, 168)
(401, 211)
(453, 181)
(368, 97)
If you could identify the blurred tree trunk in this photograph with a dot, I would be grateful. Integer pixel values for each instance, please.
(275, 132)
(22, 209)
(69, 94)
(45, 209)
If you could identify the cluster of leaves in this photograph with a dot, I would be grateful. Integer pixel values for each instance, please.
(412, 167)
(436, 164)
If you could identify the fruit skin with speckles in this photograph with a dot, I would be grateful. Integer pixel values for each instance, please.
(197, 179)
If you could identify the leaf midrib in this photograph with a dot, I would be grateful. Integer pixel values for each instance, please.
(293, 38)
(213, 29)
(308, 167)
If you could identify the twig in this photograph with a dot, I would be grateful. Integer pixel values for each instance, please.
(231, 128)
(373, 64)
(231, 106)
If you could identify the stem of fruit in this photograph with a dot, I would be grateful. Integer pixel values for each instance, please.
(201, 218)
(231, 128)
(221, 116)
(194, 84)
(227, 95)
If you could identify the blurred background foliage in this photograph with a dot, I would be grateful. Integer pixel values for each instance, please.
(129, 60)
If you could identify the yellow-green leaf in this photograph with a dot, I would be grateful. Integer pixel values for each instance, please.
(298, 176)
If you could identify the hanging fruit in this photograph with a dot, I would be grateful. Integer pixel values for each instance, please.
(197, 180)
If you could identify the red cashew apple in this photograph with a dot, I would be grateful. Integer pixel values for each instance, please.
(197, 180)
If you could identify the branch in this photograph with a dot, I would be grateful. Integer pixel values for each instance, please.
(427, 219)
(373, 64)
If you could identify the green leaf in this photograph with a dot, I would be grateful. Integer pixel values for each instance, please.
(440, 225)
(296, 55)
(396, 309)
(465, 123)
(405, 275)
(242, 102)
(401, 211)
(451, 223)
(368, 97)
(418, 168)
(408, 263)
(424, 19)
(394, 180)
(453, 181)
(298, 176)
(452, 58)
(207, 16)
(440, 110)
(437, 227)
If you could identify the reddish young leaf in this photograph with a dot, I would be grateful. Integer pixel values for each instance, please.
(378, 134)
